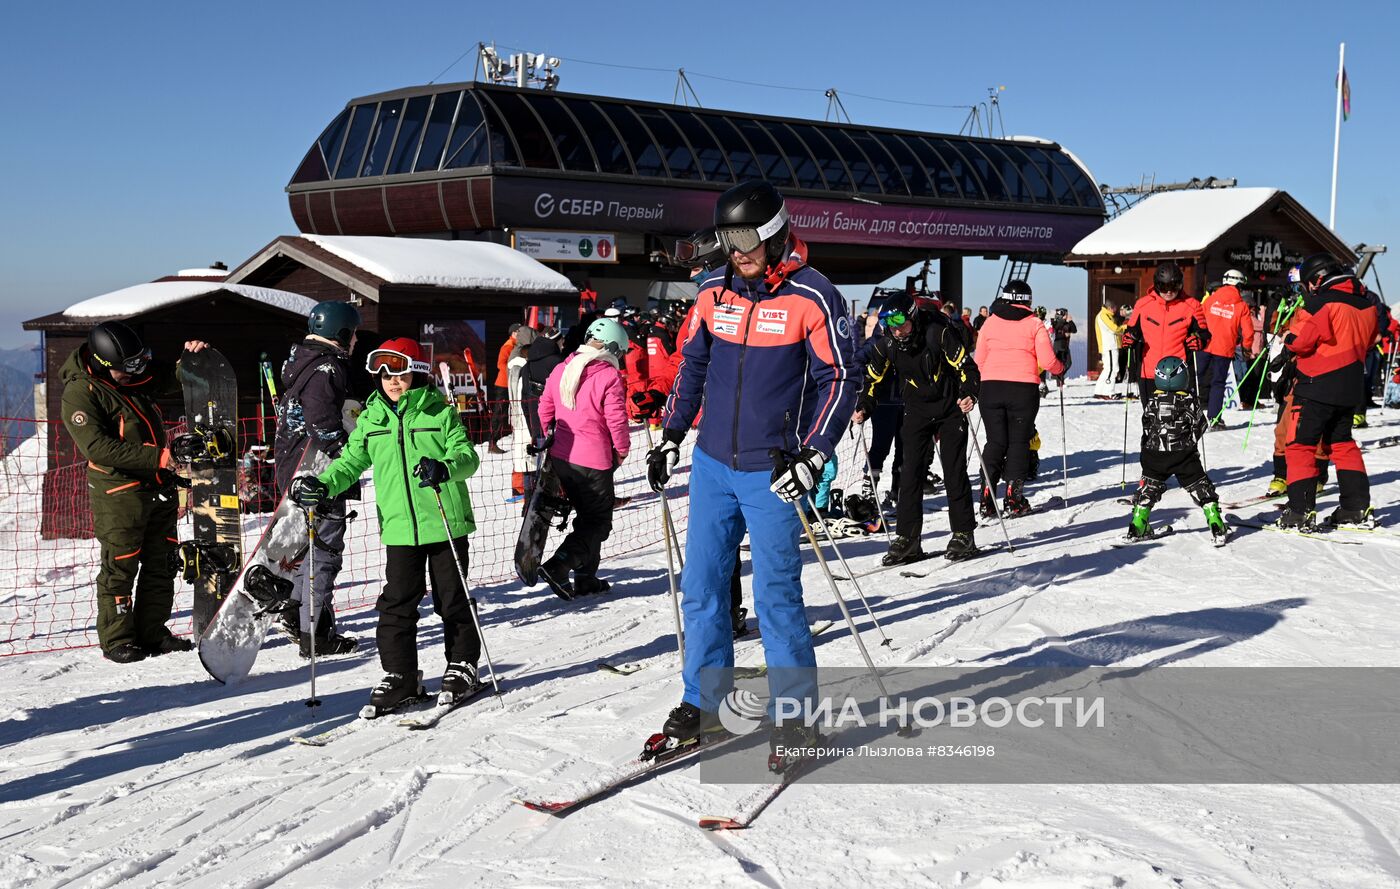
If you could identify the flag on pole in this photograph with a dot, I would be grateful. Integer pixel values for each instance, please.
(1346, 96)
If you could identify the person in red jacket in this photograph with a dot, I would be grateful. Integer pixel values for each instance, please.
(1229, 321)
(1166, 321)
(500, 394)
(1330, 347)
(1011, 349)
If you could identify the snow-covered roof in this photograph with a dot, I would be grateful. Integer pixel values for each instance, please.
(144, 297)
(470, 265)
(1174, 222)
(202, 273)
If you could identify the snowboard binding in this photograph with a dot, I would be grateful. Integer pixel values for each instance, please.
(203, 445)
(196, 559)
(272, 593)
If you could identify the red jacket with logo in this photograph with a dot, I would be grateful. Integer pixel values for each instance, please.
(1229, 321)
(1331, 343)
(1161, 328)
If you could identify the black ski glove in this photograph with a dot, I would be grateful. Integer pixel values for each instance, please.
(661, 461)
(432, 473)
(543, 444)
(308, 490)
(796, 474)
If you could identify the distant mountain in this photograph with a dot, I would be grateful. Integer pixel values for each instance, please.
(17, 370)
(25, 359)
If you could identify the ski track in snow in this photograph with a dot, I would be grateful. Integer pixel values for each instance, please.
(152, 775)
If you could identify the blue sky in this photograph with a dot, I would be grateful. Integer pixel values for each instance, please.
(151, 136)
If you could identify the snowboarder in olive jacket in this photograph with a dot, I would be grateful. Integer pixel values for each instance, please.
(110, 385)
(414, 440)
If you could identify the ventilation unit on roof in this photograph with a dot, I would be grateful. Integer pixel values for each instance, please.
(522, 69)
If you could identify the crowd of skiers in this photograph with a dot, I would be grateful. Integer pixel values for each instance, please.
(769, 371)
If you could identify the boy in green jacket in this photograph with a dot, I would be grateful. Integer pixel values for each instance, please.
(408, 429)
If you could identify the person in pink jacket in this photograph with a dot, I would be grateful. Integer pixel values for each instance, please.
(584, 407)
(1012, 350)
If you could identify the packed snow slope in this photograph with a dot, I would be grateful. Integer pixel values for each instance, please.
(153, 775)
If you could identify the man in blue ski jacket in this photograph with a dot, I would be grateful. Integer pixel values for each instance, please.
(768, 350)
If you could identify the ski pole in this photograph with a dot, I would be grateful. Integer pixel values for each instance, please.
(869, 467)
(988, 477)
(262, 398)
(669, 532)
(1196, 385)
(779, 461)
(466, 590)
(310, 514)
(271, 382)
(1280, 319)
(855, 583)
(1064, 451)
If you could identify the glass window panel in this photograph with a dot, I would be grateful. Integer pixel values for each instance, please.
(986, 171)
(950, 175)
(1030, 173)
(741, 159)
(471, 144)
(679, 158)
(499, 136)
(536, 148)
(804, 167)
(439, 125)
(568, 141)
(962, 170)
(381, 138)
(612, 156)
(890, 179)
(862, 173)
(1087, 191)
(909, 167)
(833, 168)
(645, 154)
(708, 154)
(1061, 190)
(329, 143)
(772, 165)
(355, 137)
(1016, 188)
(410, 129)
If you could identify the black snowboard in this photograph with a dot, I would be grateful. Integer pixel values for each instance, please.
(547, 503)
(213, 558)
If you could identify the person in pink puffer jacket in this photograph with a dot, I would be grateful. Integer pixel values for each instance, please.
(1012, 350)
(584, 409)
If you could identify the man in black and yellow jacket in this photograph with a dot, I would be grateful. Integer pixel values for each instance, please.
(109, 389)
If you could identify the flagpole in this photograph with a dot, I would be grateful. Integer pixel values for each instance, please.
(1337, 137)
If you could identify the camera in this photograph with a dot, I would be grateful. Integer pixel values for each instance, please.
(1060, 313)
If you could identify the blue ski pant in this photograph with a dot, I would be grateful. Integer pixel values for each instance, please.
(723, 501)
(1214, 370)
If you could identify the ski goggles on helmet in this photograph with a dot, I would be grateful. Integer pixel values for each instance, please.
(136, 364)
(894, 317)
(744, 239)
(395, 364)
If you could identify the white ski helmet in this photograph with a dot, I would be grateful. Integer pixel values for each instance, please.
(609, 332)
(1234, 277)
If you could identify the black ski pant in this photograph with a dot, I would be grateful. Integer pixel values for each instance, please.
(1159, 466)
(591, 493)
(1008, 414)
(404, 587)
(1062, 353)
(884, 431)
(921, 426)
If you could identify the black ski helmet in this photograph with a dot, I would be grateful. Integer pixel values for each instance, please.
(334, 320)
(1167, 277)
(1319, 265)
(115, 345)
(1171, 374)
(897, 305)
(751, 213)
(1017, 291)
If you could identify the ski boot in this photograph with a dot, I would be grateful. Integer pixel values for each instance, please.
(1219, 531)
(1015, 505)
(1355, 519)
(1278, 487)
(903, 550)
(961, 547)
(125, 653)
(1292, 520)
(688, 722)
(790, 744)
(459, 682)
(1139, 528)
(739, 622)
(392, 692)
(988, 507)
(289, 622)
(556, 575)
(590, 585)
(932, 483)
(327, 644)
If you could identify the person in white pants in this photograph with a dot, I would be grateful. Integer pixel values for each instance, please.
(1109, 330)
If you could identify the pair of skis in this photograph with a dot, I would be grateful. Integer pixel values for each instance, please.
(410, 717)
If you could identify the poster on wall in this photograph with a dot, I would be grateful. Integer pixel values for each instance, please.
(461, 345)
